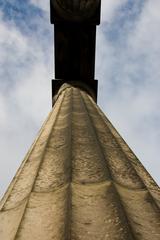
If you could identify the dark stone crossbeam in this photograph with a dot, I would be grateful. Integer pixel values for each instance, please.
(75, 38)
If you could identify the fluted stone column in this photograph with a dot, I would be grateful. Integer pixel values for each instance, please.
(80, 181)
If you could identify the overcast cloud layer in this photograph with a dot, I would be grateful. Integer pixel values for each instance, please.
(127, 67)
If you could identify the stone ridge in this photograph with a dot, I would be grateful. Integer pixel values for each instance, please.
(80, 181)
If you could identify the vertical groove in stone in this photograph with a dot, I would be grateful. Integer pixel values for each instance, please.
(80, 181)
(56, 165)
(142, 211)
(88, 160)
(121, 169)
(68, 221)
(25, 179)
(50, 179)
(6, 195)
(120, 227)
(22, 185)
(144, 175)
(98, 214)
(45, 143)
(149, 182)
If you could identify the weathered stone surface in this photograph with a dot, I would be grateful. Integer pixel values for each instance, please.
(80, 181)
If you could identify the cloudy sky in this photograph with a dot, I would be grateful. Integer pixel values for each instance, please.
(127, 67)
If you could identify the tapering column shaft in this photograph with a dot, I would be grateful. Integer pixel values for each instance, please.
(80, 180)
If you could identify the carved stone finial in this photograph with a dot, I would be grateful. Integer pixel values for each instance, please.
(76, 10)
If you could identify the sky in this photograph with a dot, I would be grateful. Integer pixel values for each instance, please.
(127, 68)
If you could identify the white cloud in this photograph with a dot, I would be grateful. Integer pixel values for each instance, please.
(43, 4)
(12, 42)
(25, 75)
(109, 9)
(3, 112)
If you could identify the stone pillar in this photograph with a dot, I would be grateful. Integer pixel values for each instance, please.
(80, 181)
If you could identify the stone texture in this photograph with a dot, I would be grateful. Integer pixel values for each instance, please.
(80, 181)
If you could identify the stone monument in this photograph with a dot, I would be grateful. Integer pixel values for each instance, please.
(79, 180)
